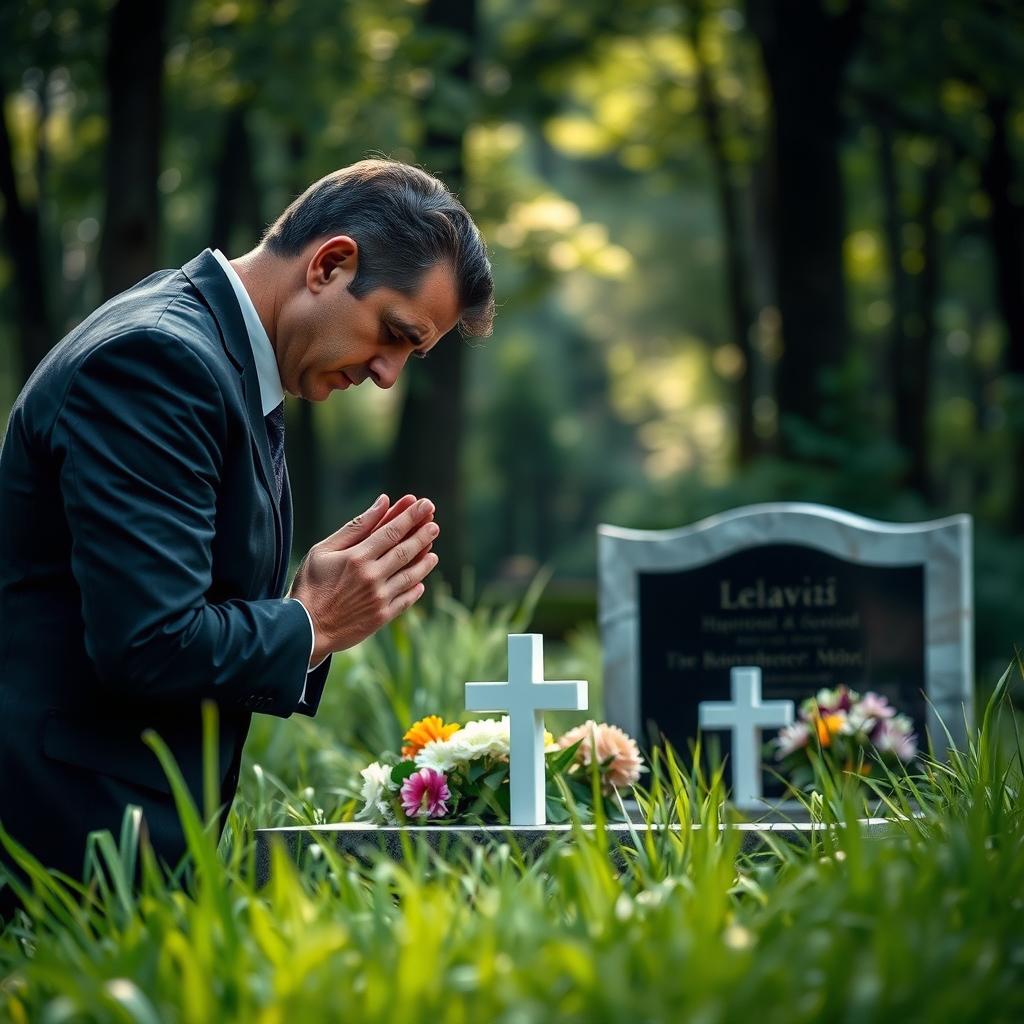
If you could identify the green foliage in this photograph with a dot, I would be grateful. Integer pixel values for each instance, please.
(922, 924)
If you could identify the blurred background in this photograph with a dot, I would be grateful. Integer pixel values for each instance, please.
(744, 251)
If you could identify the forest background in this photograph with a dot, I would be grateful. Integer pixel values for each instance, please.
(743, 251)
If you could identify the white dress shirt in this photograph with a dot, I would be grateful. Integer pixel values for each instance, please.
(271, 391)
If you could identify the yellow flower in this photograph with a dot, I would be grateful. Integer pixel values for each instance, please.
(828, 725)
(423, 732)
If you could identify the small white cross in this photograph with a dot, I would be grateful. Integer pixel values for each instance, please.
(746, 716)
(524, 698)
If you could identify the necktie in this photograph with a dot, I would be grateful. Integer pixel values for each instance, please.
(275, 435)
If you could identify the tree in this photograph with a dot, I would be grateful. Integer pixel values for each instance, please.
(23, 239)
(427, 455)
(1002, 183)
(805, 52)
(41, 37)
(737, 273)
(135, 74)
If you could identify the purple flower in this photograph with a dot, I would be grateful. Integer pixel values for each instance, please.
(896, 736)
(873, 705)
(425, 792)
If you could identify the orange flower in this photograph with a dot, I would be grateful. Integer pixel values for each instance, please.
(828, 726)
(423, 732)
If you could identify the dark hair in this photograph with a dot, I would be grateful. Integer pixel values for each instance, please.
(405, 222)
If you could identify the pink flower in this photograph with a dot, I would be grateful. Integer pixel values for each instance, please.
(617, 753)
(425, 792)
(896, 736)
(873, 705)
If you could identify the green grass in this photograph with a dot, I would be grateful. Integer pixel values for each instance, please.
(926, 925)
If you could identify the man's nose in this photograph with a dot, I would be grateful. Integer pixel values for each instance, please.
(386, 368)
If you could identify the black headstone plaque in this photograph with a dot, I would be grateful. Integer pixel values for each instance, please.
(806, 618)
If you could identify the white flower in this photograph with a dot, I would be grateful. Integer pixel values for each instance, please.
(377, 784)
(859, 722)
(790, 738)
(437, 754)
(827, 702)
(482, 738)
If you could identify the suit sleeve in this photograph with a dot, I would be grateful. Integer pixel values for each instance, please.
(315, 682)
(142, 432)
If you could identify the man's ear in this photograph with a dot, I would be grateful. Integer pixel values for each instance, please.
(335, 259)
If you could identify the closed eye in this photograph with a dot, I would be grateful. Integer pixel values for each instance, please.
(397, 334)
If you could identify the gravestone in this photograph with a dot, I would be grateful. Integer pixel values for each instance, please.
(812, 596)
(368, 843)
(525, 696)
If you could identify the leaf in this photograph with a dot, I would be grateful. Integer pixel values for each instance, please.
(556, 811)
(495, 778)
(560, 761)
(402, 771)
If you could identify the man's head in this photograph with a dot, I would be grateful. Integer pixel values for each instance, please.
(384, 261)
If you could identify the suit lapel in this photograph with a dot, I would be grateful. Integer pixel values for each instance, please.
(206, 274)
(286, 533)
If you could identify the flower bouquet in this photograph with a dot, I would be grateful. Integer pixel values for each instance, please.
(460, 773)
(849, 732)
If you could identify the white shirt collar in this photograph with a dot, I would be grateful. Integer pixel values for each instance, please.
(271, 391)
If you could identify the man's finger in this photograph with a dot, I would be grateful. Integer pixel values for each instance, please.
(406, 501)
(407, 577)
(358, 528)
(403, 555)
(379, 542)
(405, 600)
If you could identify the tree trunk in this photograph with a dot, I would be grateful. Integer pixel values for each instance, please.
(805, 54)
(1006, 224)
(23, 239)
(913, 312)
(738, 285)
(915, 407)
(898, 285)
(426, 460)
(1006, 227)
(134, 75)
(236, 222)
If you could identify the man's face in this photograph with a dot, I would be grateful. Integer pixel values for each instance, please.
(329, 340)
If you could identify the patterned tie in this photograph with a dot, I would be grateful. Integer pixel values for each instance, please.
(275, 434)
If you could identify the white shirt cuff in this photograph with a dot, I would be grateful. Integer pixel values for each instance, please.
(312, 644)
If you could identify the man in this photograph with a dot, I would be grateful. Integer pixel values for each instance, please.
(145, 514)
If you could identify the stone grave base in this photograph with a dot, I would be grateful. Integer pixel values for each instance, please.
(367, 842)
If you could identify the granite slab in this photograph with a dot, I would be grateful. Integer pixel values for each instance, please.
(369, 842)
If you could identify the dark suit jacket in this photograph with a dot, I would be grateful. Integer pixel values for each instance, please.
(142, 559)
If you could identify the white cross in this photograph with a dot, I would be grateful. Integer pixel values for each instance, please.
(525, 697)
(746, 716)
